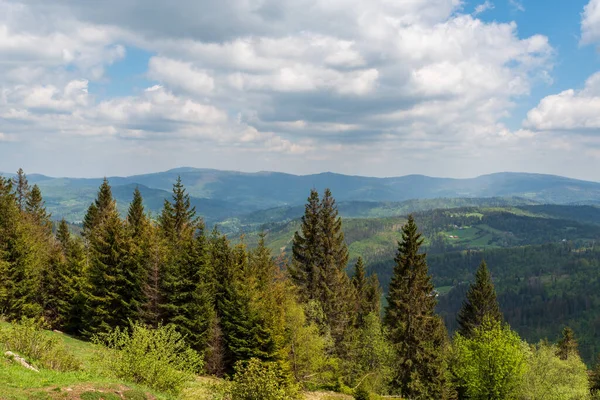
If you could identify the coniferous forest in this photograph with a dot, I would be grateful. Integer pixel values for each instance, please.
(169, 300)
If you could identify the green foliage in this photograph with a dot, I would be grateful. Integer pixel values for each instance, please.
(258, 380)
(491, 364)
(28, 339)
(159, 358)
(480, 303)
(550, 377)
(371, 357)
(307, 349)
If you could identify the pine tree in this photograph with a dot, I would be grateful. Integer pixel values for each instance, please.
(417, 334)
(306, 247)
(567, 345)
(368, 292)
(480, 302)
(114, 274)
(186, 285)
(22, 188)
(73, 253)
(335, 287)
(104, 203)
(63, 235)
(35, 207)
(178, 219)
(136, 217)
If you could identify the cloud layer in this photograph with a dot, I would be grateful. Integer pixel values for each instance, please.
(352, 86)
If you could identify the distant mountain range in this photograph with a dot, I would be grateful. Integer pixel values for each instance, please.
(222, 194)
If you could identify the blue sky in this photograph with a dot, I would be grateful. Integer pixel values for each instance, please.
(368, 87)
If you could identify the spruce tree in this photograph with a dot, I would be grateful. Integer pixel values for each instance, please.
(22, 188)
(480, 303)
(74, 256)
(114, 274)
(567, 345)
(136, 217)
(335, 289)
(416, 333)
(35, 207)
(305, 268)
(187, 297)
(367, 292)
(103, 204)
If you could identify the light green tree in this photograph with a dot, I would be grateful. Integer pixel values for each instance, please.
(491, 364)
(550, 377)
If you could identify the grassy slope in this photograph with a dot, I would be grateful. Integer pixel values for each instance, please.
(18, 383)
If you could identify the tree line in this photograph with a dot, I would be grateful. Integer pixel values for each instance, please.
(306, 317)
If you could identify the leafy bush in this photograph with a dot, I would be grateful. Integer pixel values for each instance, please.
(362, 394)
(159, 358)
(257, 380)
(490, 365)
(549, 377)
(28, 339)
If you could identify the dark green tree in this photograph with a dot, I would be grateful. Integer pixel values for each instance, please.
(186, 289)
(480, 303)
(567, 345)
(136, 216)
(103, 204)
(36, 207)
(416, 333)
(306, 249)
(335, 290)
(114, 286)
(367, 292)
(22, 188)
(74, 278)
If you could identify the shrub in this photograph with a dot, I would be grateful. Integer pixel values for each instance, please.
(28, 339)
(159, 358)
(257, 380)
(362, 394)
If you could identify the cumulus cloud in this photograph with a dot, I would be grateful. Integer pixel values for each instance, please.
(317, 79)
(590, 23)
(569, 110)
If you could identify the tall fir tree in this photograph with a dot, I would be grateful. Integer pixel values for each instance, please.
(136, 216)
(22, 188)
(367, 292)
(416, 333)
(36, 207)
(103, 204)
(186, 295)
(480, 303)
(335, 289)
(567, 345)
(114, 287)
(306, 247)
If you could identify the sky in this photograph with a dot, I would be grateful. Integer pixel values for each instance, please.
(364, 87)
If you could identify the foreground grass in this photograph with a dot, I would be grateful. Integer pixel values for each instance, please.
(91, 383)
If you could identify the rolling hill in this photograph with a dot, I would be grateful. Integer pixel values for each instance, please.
(222, 194)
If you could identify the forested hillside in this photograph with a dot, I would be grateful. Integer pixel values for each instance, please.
(223, 195)
(164, 299)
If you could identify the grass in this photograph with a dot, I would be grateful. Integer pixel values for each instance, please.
(18, 383)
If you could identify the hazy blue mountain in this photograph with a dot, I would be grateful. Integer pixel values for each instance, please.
(222, 194)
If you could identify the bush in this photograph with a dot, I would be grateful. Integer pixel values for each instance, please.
(257, 380)
(362, 394)
(28, 339)
(159, 358)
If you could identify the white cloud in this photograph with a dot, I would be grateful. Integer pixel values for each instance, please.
(313, 78)
(569, 110)
(180, 75)
(481, 8)
(517, 5)
(590, 23)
